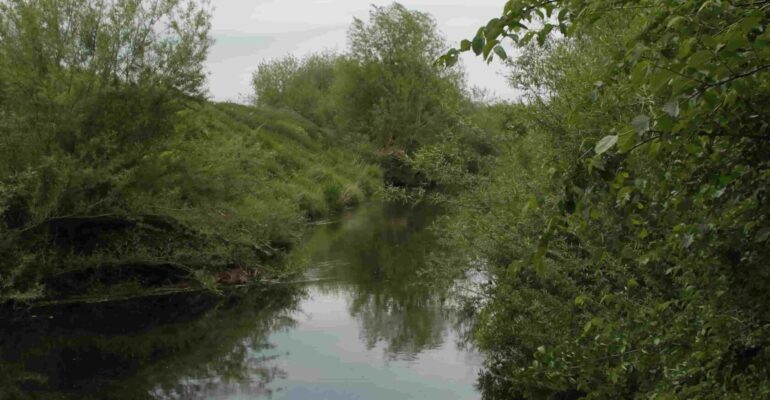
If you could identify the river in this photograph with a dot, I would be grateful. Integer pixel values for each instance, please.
(362, 326)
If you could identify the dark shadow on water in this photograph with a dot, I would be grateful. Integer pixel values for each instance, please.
(162, 347)
(195, 346)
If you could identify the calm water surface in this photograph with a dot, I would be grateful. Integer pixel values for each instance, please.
(363, 327)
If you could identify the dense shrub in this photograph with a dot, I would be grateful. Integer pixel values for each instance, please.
(112, 162)
(625, 227)
(386, 91)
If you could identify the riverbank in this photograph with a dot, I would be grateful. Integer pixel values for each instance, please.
(365, 323)
(217, 203)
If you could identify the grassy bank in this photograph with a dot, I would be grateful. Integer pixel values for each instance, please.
(217, 201)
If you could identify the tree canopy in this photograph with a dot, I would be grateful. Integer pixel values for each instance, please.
(626, 230)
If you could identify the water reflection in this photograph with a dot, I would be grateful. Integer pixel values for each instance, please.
(365, 327)
(376, 257)
(179, 346)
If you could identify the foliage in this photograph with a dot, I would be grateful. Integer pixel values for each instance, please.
(392, 92)
(625, 229)
(69, 70)
(228, 188)
(145, 348)
(304, 86)
(385, 91)
(113, 168)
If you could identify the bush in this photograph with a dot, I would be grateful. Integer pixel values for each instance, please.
(624, 230)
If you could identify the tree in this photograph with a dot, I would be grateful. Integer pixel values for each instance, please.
(304, 86)
(71, 70)
(386, 90)
(391, 90)
(629, 258)
(87, 88)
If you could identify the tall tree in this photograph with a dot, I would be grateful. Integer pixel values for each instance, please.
(392, 90)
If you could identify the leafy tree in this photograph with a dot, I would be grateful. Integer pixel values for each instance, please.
(65, 64)
(627, 240)
(386, 90)
(86, 88)
(304, 86)
(112, 162)
(392, 92)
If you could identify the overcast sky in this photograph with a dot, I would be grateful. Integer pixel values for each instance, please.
(249, 31)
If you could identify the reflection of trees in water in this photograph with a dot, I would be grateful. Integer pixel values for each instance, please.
(466, 293)
(241, 370)
(381, 252)
(133, 351)
(236, 365)
(407, 324)
(199, 346)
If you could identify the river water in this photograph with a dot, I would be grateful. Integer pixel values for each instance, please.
(363, 326)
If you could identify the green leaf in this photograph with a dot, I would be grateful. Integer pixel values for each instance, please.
(547, 29)
(655, 147)
(543, 34)
(750, 23)
(639, 72)
(478, 44)
(660, 79)
(548, 9)
(641, 123)
(527, 37)
(488, 48)
(530, 205)
(605, 144)
(700, 59)
(500, 51)
(563, 14)
(626, 141)
(676, 22)
(494, 29)
(624, 195)
(451, 58)
(685, 48)
(594, 322)
(664, 123)
(736, 41)
(516, 25)
(563, 29)
(465, 45)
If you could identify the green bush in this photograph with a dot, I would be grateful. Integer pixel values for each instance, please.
(624, 229)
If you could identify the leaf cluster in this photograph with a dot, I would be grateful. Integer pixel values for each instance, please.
(626, 237)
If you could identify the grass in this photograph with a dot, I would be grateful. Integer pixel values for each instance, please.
(233, 187)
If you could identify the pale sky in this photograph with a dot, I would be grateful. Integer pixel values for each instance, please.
(247, 32)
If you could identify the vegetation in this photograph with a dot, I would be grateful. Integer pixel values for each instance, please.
(137, 349)
(117, 174)
(386, 90)
(625, 229)
(619, 210)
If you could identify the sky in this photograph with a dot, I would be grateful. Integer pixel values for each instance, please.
(247, 32)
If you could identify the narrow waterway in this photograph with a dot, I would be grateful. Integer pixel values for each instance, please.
(363, 326)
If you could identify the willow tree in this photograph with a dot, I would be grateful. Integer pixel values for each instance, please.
(74, 69)
(86, 88)
(391, 90)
